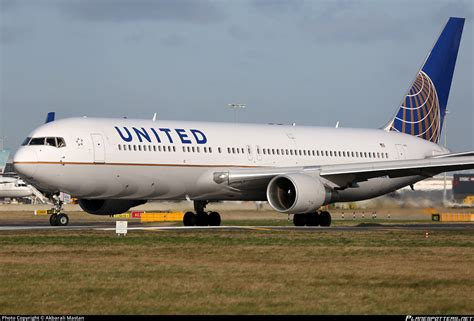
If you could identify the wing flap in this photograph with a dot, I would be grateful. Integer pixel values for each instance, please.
(343, 176)
(347, 174)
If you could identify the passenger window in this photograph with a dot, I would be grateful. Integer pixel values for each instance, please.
(210, 149)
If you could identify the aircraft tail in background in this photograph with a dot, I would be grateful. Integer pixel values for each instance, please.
(3, 159)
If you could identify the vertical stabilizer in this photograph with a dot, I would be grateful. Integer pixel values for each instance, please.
(421, 112)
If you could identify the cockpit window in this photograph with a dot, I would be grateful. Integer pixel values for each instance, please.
(26, 141)
(48, 141)
(61, 142)
(37, 141)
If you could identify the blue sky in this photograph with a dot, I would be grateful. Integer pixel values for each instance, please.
(307, 62)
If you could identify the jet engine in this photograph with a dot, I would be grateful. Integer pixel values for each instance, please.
(108, 207)
(297, 193)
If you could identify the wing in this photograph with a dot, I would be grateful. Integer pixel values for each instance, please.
(342, 176)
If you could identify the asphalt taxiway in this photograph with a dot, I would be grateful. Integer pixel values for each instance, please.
(132, 226)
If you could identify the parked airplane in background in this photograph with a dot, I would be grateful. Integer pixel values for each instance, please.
(13, 187)
(111, 165)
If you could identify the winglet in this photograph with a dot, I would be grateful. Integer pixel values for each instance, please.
(50, 117)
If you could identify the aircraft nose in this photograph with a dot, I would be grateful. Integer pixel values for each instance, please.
(25, 162)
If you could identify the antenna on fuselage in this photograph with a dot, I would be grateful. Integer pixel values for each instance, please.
(154, 116)
(337, 124)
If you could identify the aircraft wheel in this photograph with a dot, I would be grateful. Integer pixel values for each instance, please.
(214, 219)
(325, 218)
(312, 219)
(52, 219)
(189, 219)
(202, 219)
(299, 219)
(62, 220)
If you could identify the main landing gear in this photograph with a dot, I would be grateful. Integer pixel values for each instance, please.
(57, 218)
(322, 218)
(201, 218)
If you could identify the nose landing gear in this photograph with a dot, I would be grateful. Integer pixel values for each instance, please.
(57, 218)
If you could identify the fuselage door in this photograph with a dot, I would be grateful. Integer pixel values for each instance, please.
(259, 153)
(402, 151)
(249, 152)
(99, 148)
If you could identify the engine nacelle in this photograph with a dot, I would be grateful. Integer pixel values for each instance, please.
(108, 207)
(297, 193)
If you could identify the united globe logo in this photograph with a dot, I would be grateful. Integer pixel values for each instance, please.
(419, 115)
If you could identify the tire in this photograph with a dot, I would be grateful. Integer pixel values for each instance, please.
(202, 219)
(325, 219)
(214, 219)
(299, 219)
(62, 220)
(312, 219)
(52, 220)
(189, 219)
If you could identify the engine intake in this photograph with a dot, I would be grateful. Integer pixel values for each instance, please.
(108, 207)
(297, 193)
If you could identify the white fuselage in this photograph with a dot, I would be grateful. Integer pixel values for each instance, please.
(175, 160)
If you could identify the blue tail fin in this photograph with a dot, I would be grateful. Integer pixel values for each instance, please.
(423, 109)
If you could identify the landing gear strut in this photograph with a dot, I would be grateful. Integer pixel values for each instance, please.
(322, 218)
(57, 218)
(201, 218)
